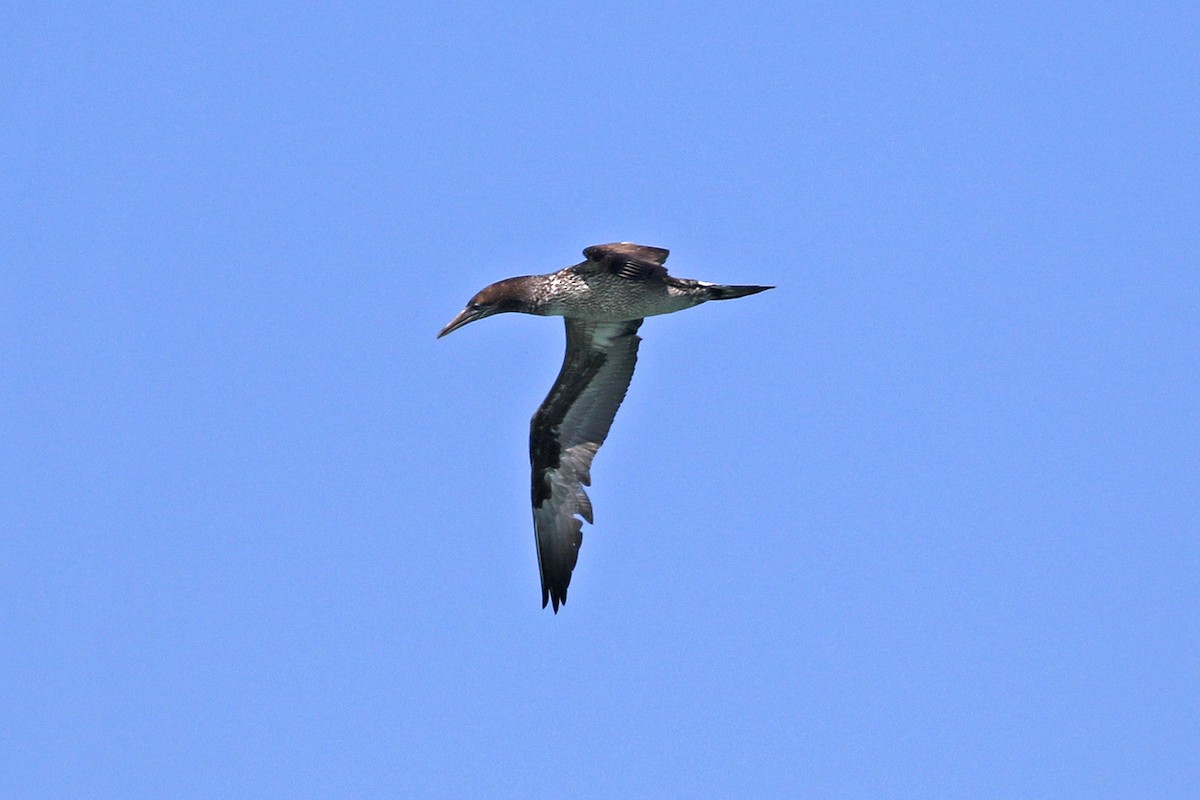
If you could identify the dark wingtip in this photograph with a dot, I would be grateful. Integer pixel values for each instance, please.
(554, 597)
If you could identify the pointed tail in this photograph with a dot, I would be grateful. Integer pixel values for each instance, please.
(718, 292)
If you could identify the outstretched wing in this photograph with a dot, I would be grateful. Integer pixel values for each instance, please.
(564, 436)
(637, 262)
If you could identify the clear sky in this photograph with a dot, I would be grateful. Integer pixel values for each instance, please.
(922, 522)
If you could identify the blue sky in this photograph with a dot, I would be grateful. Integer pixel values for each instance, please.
(921, 522)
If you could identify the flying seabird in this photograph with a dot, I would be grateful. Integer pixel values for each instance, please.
(604, 300)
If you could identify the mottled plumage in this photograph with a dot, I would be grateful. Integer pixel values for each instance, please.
(604, 300)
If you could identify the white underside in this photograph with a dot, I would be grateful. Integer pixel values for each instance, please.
(605, 298)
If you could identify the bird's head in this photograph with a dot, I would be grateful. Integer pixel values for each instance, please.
(495, 299)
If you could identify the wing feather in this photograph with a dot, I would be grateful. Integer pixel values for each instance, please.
(564, 436)
(635, 262)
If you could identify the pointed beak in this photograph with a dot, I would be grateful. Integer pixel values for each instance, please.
(466, 315)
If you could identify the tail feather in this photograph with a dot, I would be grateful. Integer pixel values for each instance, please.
(718, 292)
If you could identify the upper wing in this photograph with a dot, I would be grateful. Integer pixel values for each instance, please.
(627, 260)
(564, 436)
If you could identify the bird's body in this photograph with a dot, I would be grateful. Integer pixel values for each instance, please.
(604, 300)
(603, 297)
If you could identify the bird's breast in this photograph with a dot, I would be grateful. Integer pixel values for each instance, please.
(607, 298)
